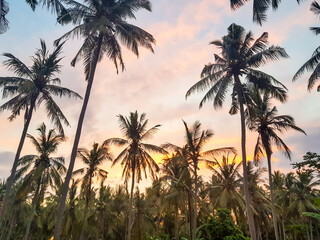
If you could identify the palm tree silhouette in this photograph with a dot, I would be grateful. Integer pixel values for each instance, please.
(102, 24)
(46, 170)
(33, 86)
(313, 63)
(240, 57)
(195, 141)
(265, 120)
(92, 158)
(135, 158)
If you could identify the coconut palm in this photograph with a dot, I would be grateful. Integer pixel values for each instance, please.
(175, 171)
(32, 87)
(225, 185)
(92, 159)
(264, 119)
(313, 64)
(195, 142)
(135, 157)
(103, 25)
(240, 58)
(45, 170)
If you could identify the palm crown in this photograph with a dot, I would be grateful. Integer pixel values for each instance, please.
(93, 159)
(135, 157)
(240, 56)
(46, 170)
(260, 8)
(264, 119)
(103, 23)
(35, 85)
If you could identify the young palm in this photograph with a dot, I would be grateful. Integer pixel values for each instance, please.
(45, 170)
(195, 141)
(240, 57)
(313, 64)
(135, 158)
(32, 87)
(264, 120)
(103, 25)
(93, 159)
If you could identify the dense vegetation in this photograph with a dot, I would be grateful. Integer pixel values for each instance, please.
(44, 199)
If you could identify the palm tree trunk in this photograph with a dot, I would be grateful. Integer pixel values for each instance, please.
(284, 230)
(195, 213)
(311, 233)
(83, 231)
(190, 212)
(252, 228)
(273, 208)
(12, 177)
(65, 186)
(34, 200)
(176, 222)
(130, 219)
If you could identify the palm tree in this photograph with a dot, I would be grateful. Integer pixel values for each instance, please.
(32, 87)
(175, 171)
(240, 57)
(46, 170)
(225, 185)
(135, 158)
(313, 63)
(260, 8)
(93, 159)
(195, 141)
(102, 24)
(265, 120)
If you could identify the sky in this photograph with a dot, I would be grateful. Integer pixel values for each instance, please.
(156, 83)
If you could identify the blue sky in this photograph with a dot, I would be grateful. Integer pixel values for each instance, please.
(156, 83)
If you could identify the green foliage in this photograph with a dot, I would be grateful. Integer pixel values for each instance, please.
(221, 226)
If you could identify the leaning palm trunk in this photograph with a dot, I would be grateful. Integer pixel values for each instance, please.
(65, 186)
(252, 228)
(12, 177)
(273, 208)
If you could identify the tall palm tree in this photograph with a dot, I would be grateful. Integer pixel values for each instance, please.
(32, 87)
(260, 8)
(260, 202)
(240, 57)
(313, 64)
(265, 120)
(46, 170)
(195, 141)
(93, 159)
(135, 157)
(102, 24)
